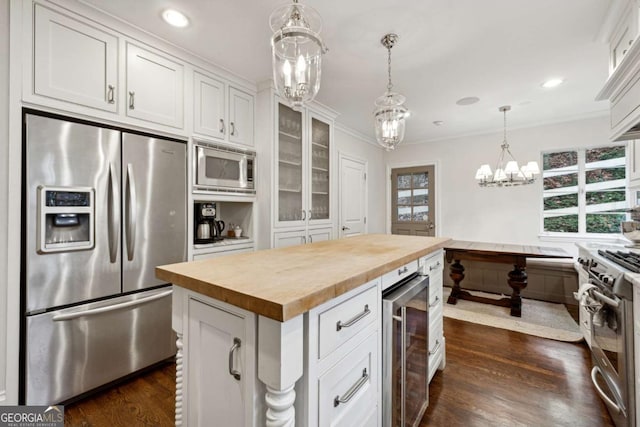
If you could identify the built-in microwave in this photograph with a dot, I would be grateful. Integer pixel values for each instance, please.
(222, 168)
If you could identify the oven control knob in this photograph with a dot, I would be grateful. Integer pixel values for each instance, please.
(581, 261)
(594, 264)
(605, 279)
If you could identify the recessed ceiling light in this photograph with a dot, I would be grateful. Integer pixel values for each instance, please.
(551, 83)
(468, 100)
(175, 18)
(438, 122)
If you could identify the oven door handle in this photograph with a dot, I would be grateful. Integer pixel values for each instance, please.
(614, 407)
(605, 299)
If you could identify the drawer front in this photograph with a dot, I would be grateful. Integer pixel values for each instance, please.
(347, 392)
(436, 346)
(340, 323)
(398, 274)
(432, 264)
(435, 307)
(435, 337)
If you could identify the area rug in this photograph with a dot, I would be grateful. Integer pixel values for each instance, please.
(539, 318)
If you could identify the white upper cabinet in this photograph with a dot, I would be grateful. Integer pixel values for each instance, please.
(209, 107)
(155, 87)
(74, 62)
(241, 120)
(223, 112)
(624, 34)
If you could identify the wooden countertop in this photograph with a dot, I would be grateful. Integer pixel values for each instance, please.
(283, 283)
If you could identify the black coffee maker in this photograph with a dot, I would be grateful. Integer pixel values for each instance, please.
(205, 224)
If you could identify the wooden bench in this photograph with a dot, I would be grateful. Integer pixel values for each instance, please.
(549, 279)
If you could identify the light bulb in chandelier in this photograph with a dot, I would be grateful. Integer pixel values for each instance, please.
(297, 50)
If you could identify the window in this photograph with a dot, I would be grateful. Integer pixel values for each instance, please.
(584, 190)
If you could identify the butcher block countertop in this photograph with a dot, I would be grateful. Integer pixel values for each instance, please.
(283, 283)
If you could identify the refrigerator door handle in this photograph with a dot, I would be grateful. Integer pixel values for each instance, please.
(94, 311)
(131, 212)
(112, 215)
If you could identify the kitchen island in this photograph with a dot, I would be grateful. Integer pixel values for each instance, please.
(251, 325)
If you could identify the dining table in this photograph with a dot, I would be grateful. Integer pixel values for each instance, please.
(458, 250)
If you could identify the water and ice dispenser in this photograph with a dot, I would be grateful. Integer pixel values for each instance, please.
(65, 218)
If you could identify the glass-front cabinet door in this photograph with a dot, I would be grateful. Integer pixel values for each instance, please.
(319, 208)
(290, 166)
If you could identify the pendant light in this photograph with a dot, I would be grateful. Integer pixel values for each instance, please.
(390, 113)
(509, 173)
(296, 49)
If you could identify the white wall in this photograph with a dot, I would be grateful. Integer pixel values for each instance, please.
(506, 215)
(4, 177)
(356, 146)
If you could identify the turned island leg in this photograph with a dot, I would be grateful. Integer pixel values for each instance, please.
(517, 281)
(280, 362)
(456, 274)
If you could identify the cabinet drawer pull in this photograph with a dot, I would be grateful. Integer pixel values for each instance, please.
(221, 128)
(401, 271)
(353, 390)
(111, 95)
(354, 320)
(434, 267)
(304, 213)
(435, 349)
(132, 100)
(435, 302)
(236, 345)
(233, 128)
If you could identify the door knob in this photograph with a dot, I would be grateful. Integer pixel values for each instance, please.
(344, 227)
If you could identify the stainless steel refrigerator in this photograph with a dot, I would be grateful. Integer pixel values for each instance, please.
(102, 209)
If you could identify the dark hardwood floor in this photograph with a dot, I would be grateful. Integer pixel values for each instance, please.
(493, 377)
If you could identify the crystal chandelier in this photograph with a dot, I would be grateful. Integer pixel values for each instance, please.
(508, 174)
(390, 113)
(296, 49)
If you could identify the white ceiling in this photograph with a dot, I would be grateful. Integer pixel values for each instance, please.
(497, 50)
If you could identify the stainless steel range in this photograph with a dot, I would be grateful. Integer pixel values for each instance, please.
(609, 298)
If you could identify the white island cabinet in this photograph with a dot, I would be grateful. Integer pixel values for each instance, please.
(261, 339)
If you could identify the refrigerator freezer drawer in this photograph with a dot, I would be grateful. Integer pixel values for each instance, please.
(75, 350)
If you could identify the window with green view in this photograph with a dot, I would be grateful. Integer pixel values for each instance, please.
(584, 190)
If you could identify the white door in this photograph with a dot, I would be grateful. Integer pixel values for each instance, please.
(154, 87)
(353, 197)
(74, 62)
(240, 117)
(209, 106)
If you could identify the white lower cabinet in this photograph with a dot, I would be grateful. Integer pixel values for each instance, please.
(343, 362)
(348, 391)
(433, 266)
(282, 239)
(215, 362)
